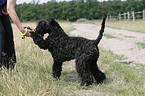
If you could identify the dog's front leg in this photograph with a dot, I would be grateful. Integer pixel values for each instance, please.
(57, 68)
(38, 40)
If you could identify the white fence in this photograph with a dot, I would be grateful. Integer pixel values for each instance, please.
(129, 15)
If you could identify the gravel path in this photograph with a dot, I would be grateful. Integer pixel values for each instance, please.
(124, 43)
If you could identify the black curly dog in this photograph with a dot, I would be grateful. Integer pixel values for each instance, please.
(65, 48)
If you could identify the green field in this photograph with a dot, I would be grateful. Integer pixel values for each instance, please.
(33, 76)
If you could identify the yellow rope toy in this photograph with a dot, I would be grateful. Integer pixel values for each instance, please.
(23, 34)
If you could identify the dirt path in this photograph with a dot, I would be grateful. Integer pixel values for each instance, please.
(124, 43)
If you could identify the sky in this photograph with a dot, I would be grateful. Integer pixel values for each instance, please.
(42, 1)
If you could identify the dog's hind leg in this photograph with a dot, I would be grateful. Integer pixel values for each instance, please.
(98, 75)
(84, 71)
(57, 68)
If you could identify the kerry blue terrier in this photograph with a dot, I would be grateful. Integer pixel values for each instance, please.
(65, 48)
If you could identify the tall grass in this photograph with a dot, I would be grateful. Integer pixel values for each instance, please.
(33, 76)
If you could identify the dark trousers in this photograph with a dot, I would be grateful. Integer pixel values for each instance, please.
(7, 50)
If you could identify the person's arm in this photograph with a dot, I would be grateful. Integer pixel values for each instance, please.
(12, 13)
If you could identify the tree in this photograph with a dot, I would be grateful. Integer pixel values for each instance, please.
(73, 10)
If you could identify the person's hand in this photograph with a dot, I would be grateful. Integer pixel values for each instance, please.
(28, 34)
(4, 10)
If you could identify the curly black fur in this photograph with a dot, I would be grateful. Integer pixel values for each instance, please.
(65, 48)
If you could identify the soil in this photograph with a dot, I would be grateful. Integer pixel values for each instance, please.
(124, 42)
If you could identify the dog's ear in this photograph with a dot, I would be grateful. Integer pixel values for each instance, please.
(52, 21)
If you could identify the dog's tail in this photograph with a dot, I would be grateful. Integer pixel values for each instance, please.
(97, 41)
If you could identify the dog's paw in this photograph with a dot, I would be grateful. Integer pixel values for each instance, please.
(101, 78)
(86, 83)
(35, 35)
(56, 75)
(32, 34)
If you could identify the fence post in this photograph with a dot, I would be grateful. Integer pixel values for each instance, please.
(128, 16)
(133, 15)
(124, 16)
(110, 17)
(107, 17)
(143, 14)
(119, 16)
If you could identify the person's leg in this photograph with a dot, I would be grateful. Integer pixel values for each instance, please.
(2, 39)
(9, 48)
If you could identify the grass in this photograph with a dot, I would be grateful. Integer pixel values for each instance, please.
(141, 45)
(109, 36)
(33, 76)
(137, 26)
(130, 36)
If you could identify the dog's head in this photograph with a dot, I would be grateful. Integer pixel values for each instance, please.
(42, 27)
(46, 26)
